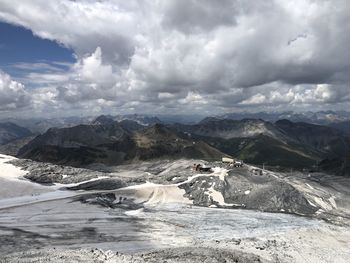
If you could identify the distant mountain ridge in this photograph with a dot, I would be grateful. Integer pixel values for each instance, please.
(110, 141)
(137, 118)
(336, 166)
(319, 117)
(114, 143)
(41, 125)
(228, 129)
(283, 143)
(10, 132)
(140, 119)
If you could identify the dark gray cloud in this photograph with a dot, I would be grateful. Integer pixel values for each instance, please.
(193, 16)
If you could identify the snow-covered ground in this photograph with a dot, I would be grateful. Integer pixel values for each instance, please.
(9, 171)
(159, 216)
(12, 182)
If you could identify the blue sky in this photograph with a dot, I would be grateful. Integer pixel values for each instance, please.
(20, 49)
(18, 44)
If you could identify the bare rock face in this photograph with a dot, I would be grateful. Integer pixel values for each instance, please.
(240, 188)
(114, 144)
(44, 173)
(197, 190)
(266, 193)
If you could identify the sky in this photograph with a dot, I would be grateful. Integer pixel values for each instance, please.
(64, 57)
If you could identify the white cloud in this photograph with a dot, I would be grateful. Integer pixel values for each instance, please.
(90, 69)
(156, 55)
(255, 99)
(13, 95)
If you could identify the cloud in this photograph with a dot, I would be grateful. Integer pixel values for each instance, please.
(90, 69)
(187, 54)
(13, 95)
(192, 16)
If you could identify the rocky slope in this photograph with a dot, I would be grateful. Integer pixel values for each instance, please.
(114, 143)
(284, 143)
(12, 147)
(322, 138)
(165, 211)
(336, 166)
(10, 132)
(247, 187)
(228, 129)
(343, 126)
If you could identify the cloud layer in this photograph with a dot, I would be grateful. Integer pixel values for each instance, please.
(12, 94)
(191, 56)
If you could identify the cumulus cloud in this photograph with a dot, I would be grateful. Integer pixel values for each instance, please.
(187, 54)
(191, 16)
(13, 95)
(91, 70)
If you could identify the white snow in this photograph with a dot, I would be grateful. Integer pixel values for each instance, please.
(309, 186)
(160, 194)
(9, 171)
(326, 206)
(217, 196)
(217, 171)
(311, 203)
(221, 172)
(332, 201)
(134, 212)
(152, 194)
(59, 185)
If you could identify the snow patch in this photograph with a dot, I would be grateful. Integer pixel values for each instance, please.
(309, 186)
(217, 196)
(326, 206)
(332, 201)
(134, 212)
(59, 185)
(221, 172)
(153, 194)
(217, 171)
(9, 171)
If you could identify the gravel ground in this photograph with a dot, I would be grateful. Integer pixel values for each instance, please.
(181, 255)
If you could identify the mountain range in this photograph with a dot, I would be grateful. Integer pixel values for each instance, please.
(10, 132)
(41, 125)
(319, 117)
(114, 143)
(114, 140)
(283, 143)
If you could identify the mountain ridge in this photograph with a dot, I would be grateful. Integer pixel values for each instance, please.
(112, 144)
(10, 131)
